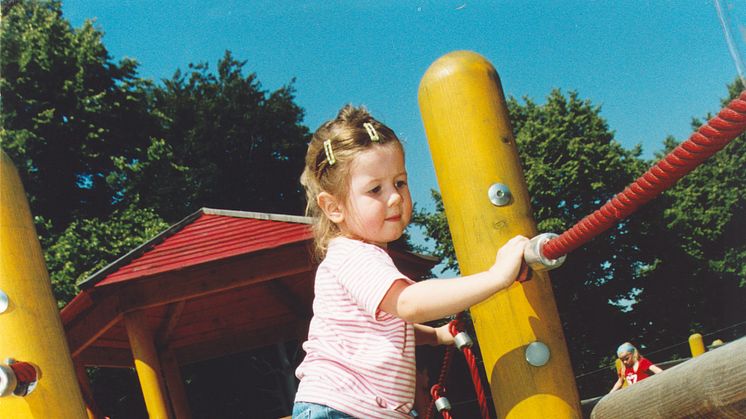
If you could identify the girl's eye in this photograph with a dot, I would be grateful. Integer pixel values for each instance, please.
(375, 190)
(401, 183)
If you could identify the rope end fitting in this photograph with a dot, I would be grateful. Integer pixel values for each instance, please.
(18, 378)
(534, 256)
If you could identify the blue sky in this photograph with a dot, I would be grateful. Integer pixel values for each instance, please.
(650, 65)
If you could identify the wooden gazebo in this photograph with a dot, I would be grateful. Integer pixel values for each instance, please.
(217, 283)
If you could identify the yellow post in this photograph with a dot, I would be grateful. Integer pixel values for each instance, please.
(175, 385)
(618, 364)
(696, 344)
(148, 366)
(85, 387)
(30, 327)
(472, 145)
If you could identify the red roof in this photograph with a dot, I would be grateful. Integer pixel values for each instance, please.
(205, 236)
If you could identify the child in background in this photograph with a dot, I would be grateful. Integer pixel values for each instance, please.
(360, 357)
(634, 366)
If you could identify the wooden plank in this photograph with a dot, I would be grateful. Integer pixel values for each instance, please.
(236, 326)
(216, 277)
(708, 386)
(287, 296)
(92, 323)
(241, 342)
(94, 356)
(173, 315)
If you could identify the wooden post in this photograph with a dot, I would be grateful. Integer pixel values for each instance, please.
(91, 408)
(175, 385)
(147, 364)
(472, 145)
(30, 326)
(708, 386)
(696, 344)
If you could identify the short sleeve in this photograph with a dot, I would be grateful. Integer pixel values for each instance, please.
(367, 274)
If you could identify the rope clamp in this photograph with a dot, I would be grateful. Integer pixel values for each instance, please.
(462, 340)
(17, 378)
(534, 257)
(442, 403)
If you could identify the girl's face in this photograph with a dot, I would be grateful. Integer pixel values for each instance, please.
(378, 206)
(627, 359)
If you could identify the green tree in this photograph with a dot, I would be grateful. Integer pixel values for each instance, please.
(67, 112)
(225, 143)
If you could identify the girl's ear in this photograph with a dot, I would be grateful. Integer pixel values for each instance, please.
(331, 207)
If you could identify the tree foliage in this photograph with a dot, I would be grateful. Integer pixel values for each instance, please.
(68, 112)
(224, 143)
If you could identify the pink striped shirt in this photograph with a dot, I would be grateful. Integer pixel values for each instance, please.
(359, 360)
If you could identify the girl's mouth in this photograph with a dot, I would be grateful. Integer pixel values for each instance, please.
(394, 218)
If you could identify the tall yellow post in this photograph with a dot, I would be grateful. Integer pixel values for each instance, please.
(696, 344)
(30, 326)
(472, 145)
(147, 364)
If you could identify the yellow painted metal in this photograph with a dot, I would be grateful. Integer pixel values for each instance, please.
(696, 344)
(31, 329)
(147, 364)
(472, 146)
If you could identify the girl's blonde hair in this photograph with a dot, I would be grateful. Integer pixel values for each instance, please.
(327, 168)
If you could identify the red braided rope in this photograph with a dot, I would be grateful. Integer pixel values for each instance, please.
(25, 372)
(439, 390)
(471, 359)
(706, 141)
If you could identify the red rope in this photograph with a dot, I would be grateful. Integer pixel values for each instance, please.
(706, 141)
(439, 390)
(471, 359)
(25, 372)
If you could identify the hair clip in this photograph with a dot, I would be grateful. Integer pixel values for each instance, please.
(372, 133)
(329, 153)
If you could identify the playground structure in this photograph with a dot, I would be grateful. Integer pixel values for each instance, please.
(522, 344)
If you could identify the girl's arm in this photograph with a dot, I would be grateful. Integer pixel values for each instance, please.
(617, 385)
(435, 299)
(655, 369)
(426, 335)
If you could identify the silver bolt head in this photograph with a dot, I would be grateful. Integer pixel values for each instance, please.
(499, 194)
(537, 354)
(4, 302)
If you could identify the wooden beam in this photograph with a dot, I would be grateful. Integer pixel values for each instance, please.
(94, 356)
(708, 386)
(290, 299)
(92, 323)
(173, 314)
(215, 277)
(175, 385)
(240, 341)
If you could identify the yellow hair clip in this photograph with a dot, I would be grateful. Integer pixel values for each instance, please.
(329, 153)
(372, 133)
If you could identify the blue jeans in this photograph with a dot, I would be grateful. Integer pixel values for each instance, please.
(304, 410)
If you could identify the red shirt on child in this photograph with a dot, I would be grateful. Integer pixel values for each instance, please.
(643, 371)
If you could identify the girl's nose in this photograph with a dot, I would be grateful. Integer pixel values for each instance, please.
(395, 199)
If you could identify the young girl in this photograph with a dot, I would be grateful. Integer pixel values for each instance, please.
(634, 366)
(360, 358)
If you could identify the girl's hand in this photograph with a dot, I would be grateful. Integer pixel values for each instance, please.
(443, 335)
(508, 260)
